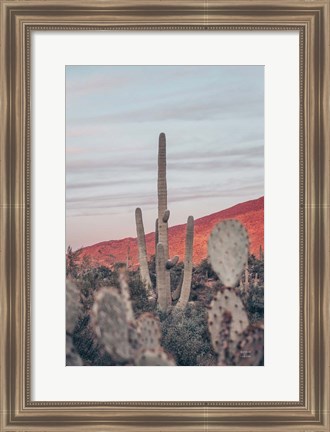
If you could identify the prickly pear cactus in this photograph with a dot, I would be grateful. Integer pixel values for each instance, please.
(154, 358)
(110, 323)
(149, 331)
(228, 247)
(73, 306)
(226, 304)
(250, 348)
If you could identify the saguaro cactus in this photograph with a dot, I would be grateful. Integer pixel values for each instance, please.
(163, 263)
(188, 265)
(144, 270)
(163, 216)
(163, 277)
(163, 212)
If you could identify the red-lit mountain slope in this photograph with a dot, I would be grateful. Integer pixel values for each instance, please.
(250, 213)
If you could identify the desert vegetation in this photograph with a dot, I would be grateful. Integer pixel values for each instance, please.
(164, 311)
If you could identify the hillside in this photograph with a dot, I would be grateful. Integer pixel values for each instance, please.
(249, 213)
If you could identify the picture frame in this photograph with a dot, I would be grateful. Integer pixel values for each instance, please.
(19, 18)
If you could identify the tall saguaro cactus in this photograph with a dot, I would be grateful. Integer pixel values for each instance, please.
(163, 215)
(163, 263)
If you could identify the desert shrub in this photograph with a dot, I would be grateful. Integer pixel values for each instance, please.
(205, 270)
(72, 267)
(138, 293)
(254, 303)
(186, 337)
(86, 343)
(175, 275)
(256, 266)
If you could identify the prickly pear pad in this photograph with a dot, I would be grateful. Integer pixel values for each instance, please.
(154, 358)
(109, 320)
(228, 248)
(226, 302)
(149, 329)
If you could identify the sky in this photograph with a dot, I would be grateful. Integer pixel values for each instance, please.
(213, 118)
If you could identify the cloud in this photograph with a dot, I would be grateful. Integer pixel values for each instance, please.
(236, 158)
(96, 83)
(199, 108)
(112, 202)
(102, 183)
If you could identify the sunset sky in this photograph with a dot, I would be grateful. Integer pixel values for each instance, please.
(213, 118)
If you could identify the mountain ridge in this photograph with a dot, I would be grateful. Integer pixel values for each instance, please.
(249, 213)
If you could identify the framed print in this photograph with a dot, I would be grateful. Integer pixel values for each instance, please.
(165, 215)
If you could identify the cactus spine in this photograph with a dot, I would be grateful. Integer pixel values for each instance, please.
(144, 270)
(188, 265)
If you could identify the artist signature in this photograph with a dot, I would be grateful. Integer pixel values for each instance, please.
(245, 354)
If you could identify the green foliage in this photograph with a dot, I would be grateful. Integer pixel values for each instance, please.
(86, 344)
(185, 334)
(71, 262)
(254, 303)
(206, 271)
(138, 293)
(186, 337)
(256, 266)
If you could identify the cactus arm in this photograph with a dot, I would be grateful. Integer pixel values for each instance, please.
(172, 262)
(156, 235)
(166, 216)
(144, 270)
(162, 286)
(176, 293)
(188, 265)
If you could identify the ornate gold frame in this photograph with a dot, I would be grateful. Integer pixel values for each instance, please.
(18, 19)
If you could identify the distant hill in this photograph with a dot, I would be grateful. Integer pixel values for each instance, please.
(249, 213)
